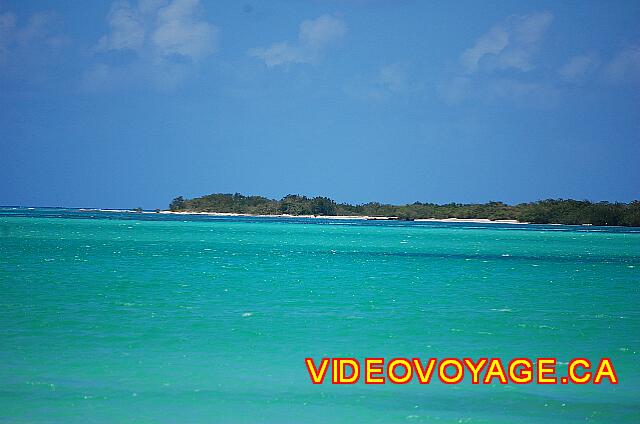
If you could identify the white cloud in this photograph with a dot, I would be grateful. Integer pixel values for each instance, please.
(625, 66)
(578, 68)
(509, 45)
(491, 43)
(160, 28)
(36, 32)
(281, 53)
(498, 67)
(314, 37)
(166, 38)
(180, 32)
(319, 33)
(127, 29)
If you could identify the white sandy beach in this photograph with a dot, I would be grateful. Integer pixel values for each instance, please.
(349, 217)
(279, 215)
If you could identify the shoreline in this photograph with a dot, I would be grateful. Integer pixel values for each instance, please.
(334, 217)
(358, 217)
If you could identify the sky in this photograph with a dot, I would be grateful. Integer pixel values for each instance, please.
(125, 104)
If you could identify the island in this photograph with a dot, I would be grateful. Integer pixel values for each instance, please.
(550, 211)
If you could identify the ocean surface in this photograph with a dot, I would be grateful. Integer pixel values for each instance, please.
(148, 318)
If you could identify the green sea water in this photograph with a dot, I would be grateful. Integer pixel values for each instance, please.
(130, 318)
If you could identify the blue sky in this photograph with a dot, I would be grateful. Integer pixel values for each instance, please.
(125, 104)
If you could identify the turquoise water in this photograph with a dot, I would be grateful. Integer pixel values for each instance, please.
(129, 318)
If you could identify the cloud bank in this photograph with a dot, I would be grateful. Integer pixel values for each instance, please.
(510, 45)
(578, 68)
(499, 66)
(314, 37)
(157, 41)
(36, 33)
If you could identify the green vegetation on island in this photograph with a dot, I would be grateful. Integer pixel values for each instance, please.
(551, 211)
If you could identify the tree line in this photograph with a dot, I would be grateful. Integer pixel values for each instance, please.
(550, 211)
